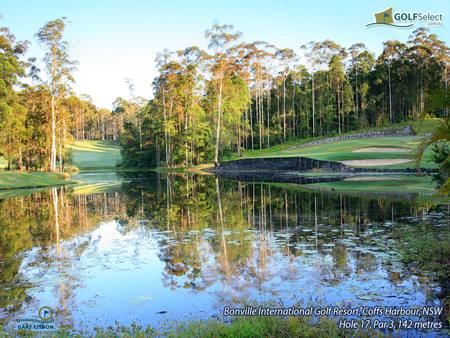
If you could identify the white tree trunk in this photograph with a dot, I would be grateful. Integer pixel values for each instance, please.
(53, 146)
(219, 114)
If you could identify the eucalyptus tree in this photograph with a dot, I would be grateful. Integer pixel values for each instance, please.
(429, 59)
(59, 71)
(338, 79)
(12, 114)
(391, 54)
(256, 57)
(224, 71)
(361, 64)
(313, 60)
(285, 56)
(243, 94)
(36, 101)
(178, 103)
(355, 51)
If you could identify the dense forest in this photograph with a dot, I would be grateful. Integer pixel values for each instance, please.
(240, 95)
(39, 112)
(210, 103)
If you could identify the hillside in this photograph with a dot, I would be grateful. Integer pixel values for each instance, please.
(94, 155)
(392, 152)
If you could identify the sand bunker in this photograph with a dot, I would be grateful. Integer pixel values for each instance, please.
(370, 163)
(371, 178)
(381, 150)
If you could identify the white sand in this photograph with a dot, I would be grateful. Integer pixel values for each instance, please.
(381, 150)
(372, 178)
(370, 163)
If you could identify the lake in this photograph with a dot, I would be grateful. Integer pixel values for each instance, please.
(153, 248)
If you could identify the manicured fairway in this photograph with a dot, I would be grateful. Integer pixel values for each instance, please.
(95, 154)
(393, 149)
(349, 150)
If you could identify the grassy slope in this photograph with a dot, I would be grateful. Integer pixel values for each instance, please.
(343, 150)
(13, 180)
(85, 154)
(95, 154)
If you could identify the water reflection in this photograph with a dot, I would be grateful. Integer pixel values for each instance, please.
(189, 245)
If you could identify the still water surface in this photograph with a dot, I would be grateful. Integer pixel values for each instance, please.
(155, 248)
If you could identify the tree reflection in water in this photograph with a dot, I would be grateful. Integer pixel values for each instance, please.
(232, 241)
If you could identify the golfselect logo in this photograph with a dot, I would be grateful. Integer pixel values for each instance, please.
(405, 19)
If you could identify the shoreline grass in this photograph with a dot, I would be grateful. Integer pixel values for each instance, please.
(10, 180)
(252, 326)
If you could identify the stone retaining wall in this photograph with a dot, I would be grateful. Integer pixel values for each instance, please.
(278, 164)
(408, 131)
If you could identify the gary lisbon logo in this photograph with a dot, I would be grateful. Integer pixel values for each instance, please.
(45, 313)
(404, 19)
(43, 322)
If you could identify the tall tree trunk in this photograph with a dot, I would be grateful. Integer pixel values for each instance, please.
(166, 143)
(251, 128)
(269, 94)
(140, 130)
(313, 107)
(158, 152)
(339, 109)
(60, 153)
(294, 116)
(53, 142)
(356, 98)
(103, 128)
(219, 115)
(390, 95)
(284, 108)
(20, 159)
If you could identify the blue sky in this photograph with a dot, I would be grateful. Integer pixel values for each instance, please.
(116, 39)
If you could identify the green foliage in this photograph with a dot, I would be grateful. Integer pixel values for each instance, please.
(429, 251)
(260, 327)
(427, 247)
(439, 138)
(248, 96)
(242, 327)
(12, 113)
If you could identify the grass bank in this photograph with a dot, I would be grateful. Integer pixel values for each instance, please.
(94, 155)
(22, 180)
(350, 150)
(239, 327)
